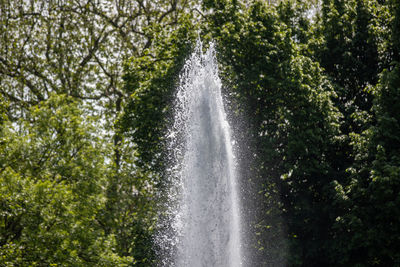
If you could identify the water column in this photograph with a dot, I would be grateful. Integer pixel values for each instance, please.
(205, 214)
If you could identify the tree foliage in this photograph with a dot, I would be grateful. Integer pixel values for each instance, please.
(52, 178)
(86, 89)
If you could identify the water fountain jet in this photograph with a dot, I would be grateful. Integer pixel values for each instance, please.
(203, 213)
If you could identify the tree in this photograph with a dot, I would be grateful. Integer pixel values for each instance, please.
(76, 49)
(369, 227)
(151, 81)
(293, 127)
(52, 189)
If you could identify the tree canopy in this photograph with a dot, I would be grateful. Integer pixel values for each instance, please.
(86, 95)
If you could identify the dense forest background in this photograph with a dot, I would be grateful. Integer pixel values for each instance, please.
(313, 92)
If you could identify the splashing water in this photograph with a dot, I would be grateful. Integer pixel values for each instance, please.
(203, 206)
